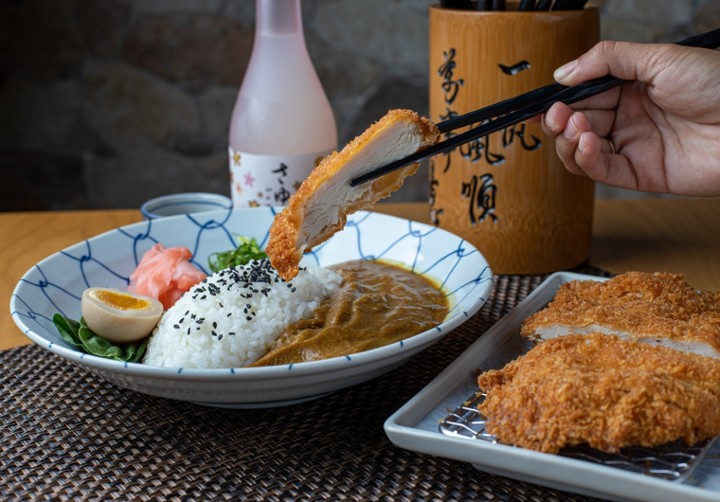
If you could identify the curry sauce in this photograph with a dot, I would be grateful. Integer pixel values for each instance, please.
(377, 304)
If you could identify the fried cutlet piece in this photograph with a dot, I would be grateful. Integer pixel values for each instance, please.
(603, 391)
(321, 204)
(655, 308)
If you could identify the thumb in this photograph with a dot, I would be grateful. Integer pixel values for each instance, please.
(625, 60)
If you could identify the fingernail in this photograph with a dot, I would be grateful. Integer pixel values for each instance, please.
(571, 130)
(564, 71)
(549, 122)
(581, 145)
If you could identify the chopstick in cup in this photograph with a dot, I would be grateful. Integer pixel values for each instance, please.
(457, 4)
(518, 109)
(569, 5)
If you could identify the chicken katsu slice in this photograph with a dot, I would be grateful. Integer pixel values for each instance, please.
(602, 391)
(323, 201)
(656, 308)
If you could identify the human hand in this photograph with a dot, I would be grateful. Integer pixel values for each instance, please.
(660, 132)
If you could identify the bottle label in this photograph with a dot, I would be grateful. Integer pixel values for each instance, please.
(268, 180)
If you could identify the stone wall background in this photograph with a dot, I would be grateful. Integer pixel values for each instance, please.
(104, 104)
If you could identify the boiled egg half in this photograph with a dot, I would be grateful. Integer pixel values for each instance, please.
(119, 316)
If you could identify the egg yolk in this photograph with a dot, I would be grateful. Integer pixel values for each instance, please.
(120, 301)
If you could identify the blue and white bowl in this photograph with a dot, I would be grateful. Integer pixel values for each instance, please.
(57, 282)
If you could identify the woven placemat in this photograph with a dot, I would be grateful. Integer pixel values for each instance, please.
(69, 435)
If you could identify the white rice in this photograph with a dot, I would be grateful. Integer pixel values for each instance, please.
(231, 319)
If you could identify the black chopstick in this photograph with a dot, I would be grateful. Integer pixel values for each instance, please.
(518, 109)
(569, 4)
(567, 95)
(500, 108)
(457, 4)
(527, 5)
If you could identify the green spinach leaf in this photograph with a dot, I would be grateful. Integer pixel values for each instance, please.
(80, 336)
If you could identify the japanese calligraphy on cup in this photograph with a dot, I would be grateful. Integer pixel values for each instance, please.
(508, 193)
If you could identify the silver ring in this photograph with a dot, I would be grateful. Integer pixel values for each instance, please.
(612, 146)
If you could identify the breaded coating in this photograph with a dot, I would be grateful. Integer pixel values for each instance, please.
(321, 204)
(659, 308)
(603, 391)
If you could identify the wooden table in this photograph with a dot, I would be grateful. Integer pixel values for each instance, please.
(673, 235)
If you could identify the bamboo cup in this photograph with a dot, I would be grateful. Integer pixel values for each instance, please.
(508, 193)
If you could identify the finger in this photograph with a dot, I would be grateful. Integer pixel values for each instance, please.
(556, 118)
(589, 157)
(601, 121)
(625, 60)
(566, 143)
(594, 158)
(592, 147)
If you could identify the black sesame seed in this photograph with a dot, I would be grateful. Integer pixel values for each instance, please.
(176, 326)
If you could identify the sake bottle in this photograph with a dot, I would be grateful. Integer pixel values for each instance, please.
(282, 124)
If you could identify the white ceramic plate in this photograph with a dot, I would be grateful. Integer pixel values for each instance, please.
(416, 426)
(56, 283)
